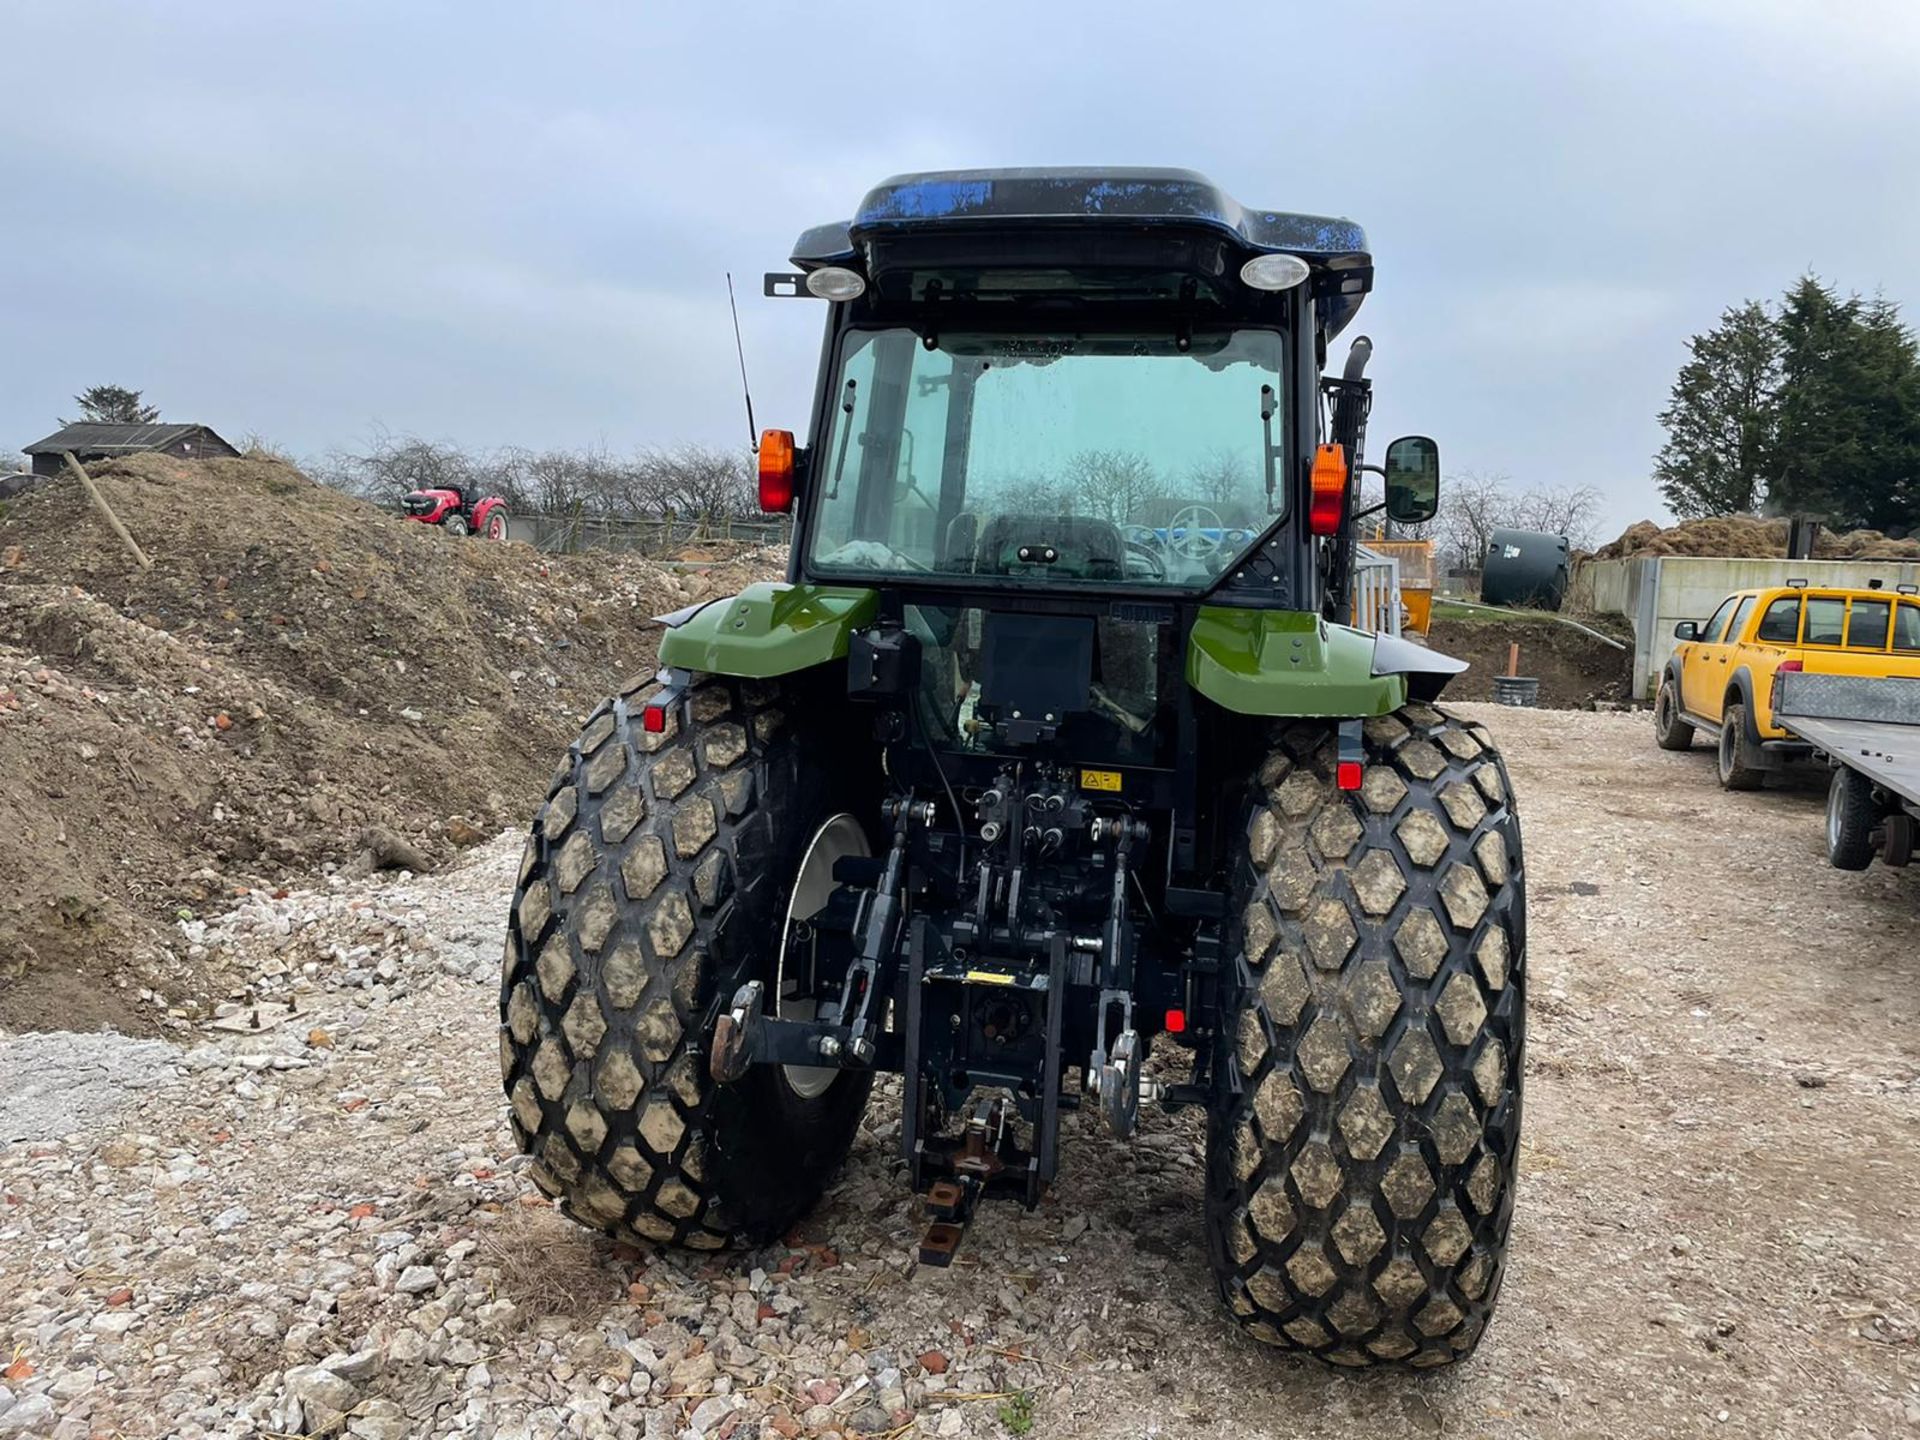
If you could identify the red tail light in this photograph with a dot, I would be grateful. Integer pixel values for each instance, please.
(1790, 665)
(653, 719)
(1348, 774)
(776, 471)
(1329, 490)
(1176, 1022)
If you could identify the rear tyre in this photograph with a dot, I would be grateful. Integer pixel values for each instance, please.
(1735, 757)
(1361, 1148)
(498, 523)
(1851, 814)
(1670, 732)
(656, 881)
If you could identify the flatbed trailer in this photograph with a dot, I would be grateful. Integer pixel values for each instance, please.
(1868, 729)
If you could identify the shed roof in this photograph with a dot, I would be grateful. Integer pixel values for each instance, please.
(98, 439)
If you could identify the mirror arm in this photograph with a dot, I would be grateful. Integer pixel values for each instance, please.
(1379, 470)
(1372, 509)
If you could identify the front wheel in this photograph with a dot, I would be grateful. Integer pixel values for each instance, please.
(1362, 1144)
(1670, 732)
(456, 524)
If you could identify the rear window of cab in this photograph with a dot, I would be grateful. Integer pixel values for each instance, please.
(1853, 622)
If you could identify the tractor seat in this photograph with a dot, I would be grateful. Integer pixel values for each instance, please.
(1066, 547)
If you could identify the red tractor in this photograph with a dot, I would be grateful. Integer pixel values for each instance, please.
(447, 507)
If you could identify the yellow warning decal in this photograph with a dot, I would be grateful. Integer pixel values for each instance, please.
(1100, 780)
(989, 977)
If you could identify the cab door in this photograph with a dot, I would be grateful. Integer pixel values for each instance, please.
(1715, 662)
(1698, 670)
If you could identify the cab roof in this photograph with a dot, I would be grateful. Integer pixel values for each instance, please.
(979, 202)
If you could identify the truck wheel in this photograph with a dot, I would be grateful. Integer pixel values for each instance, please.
(1737, 770)
(1851, 814)
(1361, 1147)
(1670, 732)
(658, 878)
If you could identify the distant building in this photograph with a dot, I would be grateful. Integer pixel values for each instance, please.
(89, 441)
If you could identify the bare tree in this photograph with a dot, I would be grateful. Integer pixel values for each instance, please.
(1472, 506)
(1037, 495)
(696, 482)
(1115, 485)
(1224, 482)
(1569, 510)
(394, 464)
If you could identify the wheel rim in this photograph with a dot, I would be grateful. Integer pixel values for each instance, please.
(1726, 746)
(841, 836)
(1663, 712)
(1834, 798)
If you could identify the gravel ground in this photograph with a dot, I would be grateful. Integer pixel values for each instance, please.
(314, 1218)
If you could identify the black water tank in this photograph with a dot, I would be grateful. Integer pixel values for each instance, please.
(1525, 567)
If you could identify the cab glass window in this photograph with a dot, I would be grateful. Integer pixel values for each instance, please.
(1781, 623)
(1867, 624)
(1906, 627)
(1826, 615)
(1711, 630)
(1739, 625)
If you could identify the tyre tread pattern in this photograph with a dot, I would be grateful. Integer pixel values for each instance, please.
(610, 960)
(1361, 1165)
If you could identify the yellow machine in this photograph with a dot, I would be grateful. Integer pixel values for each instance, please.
(1416, 584)
(1720, 676)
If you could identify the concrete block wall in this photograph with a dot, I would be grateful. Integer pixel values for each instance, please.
(1656, 592)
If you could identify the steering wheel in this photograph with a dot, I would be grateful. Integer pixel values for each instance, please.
(1187, 533)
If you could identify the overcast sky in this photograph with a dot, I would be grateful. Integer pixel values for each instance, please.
(497, 223)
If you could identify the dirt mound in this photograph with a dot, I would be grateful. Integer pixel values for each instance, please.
(300, 681)
(1574, 669)
(1745, 537)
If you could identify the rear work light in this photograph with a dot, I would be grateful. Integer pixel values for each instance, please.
(1328, 500)
(776, 471)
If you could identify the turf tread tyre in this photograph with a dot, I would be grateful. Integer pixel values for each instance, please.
(652, 868)
(1851, 816)
(1361, 1158)
(1737, 771)
(1670, 732)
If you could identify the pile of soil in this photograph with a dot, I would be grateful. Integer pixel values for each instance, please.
(1745, 537)
(1575, 670)
(300, 682)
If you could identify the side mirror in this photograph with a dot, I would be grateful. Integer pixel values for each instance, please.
(1413, 480)
(1687, 630)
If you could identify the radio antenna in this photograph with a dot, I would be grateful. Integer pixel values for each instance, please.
(753, 435)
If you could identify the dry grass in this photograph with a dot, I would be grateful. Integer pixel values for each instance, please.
(550, 1266)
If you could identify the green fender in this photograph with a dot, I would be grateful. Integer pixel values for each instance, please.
(769, 629)
(1286, 662)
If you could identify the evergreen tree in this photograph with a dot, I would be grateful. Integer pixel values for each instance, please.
(1719, 421)
(113, 405)
(1848, 429)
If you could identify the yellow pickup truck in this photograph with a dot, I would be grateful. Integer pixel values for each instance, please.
(1719, 678)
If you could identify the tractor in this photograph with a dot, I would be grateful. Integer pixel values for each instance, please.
(1051, 782)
